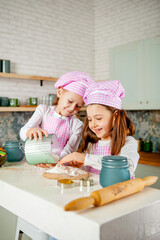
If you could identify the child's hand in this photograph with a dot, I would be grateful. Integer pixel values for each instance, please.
(76, 158)
(36, 133)
(47, 165)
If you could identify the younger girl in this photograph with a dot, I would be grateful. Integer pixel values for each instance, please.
(60, 118)
(107, 128)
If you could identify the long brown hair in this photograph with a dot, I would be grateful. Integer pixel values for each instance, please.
(121, 128)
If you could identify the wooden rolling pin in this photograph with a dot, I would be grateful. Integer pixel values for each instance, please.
(111, 193)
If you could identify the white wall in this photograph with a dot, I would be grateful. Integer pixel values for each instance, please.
(51, 37)
(46, 38)
(119, 22)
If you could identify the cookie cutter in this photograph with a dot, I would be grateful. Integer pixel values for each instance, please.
(86, 182)
(65, 183)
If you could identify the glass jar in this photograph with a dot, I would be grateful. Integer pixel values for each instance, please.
(148, 146)
(45, 151)
(14, 150)
(114, 170)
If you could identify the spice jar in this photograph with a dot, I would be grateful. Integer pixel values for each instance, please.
(14, 150)
(148, 146)
(114, 170)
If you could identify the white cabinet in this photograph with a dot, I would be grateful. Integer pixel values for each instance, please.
(137, 66)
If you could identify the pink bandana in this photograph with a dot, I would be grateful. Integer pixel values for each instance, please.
(76, 82)
(109, 93)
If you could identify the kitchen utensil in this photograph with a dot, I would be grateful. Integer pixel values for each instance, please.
(42, 151)
(111, 193)
(65, 183)
(86, 182)
(14, 150)
(114, 170)
(6, 66)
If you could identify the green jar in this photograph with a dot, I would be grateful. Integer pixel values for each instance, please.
(14, 150)
(13, 102)
(148, 146)
(0, 65)
(6, 66)
(33, 101)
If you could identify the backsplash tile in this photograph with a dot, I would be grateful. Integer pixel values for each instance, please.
(147, 124)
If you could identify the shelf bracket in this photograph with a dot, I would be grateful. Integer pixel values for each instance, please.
(41, 83)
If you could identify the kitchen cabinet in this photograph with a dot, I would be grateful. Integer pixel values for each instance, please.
(137, 66)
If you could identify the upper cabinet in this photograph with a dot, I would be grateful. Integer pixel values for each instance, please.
(137, 66)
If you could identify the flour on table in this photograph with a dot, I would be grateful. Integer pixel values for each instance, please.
(72, 171)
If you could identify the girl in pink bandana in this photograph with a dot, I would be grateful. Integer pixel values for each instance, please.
(107, 128)
(60, 118)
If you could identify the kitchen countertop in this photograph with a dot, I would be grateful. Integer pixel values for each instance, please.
(149, 158)
(27, 194)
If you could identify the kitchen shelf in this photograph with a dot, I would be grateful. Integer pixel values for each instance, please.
(23, 109)
(17, 109)
(15, 75)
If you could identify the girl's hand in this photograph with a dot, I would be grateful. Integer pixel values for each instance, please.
(36, 133)
(47, 165)
(76, 158)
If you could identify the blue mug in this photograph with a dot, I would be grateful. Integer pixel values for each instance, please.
(115, 169)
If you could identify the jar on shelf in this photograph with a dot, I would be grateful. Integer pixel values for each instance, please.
(115, 169)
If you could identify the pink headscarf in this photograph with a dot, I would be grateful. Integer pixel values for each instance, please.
(76, 82)
(109, 93)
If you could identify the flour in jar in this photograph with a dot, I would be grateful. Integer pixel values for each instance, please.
(71, 171)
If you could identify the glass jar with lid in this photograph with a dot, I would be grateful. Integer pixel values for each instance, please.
(115, 169)
(14, 150)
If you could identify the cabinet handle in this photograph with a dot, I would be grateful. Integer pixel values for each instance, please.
(147, 102)
(140, 102)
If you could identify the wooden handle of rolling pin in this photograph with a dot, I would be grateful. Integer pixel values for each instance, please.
(111, 193)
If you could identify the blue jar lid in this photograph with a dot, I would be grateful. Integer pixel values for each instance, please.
(12, 143)
(114, 161)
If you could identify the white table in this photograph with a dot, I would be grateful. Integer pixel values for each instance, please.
(27, 194)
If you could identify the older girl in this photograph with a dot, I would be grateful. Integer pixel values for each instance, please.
(61, 118)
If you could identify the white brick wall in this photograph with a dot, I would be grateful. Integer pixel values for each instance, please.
(47, 38)
(119, 22)
(51, 37)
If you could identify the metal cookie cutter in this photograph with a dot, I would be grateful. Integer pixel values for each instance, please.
(86, 182)
(65, 183)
